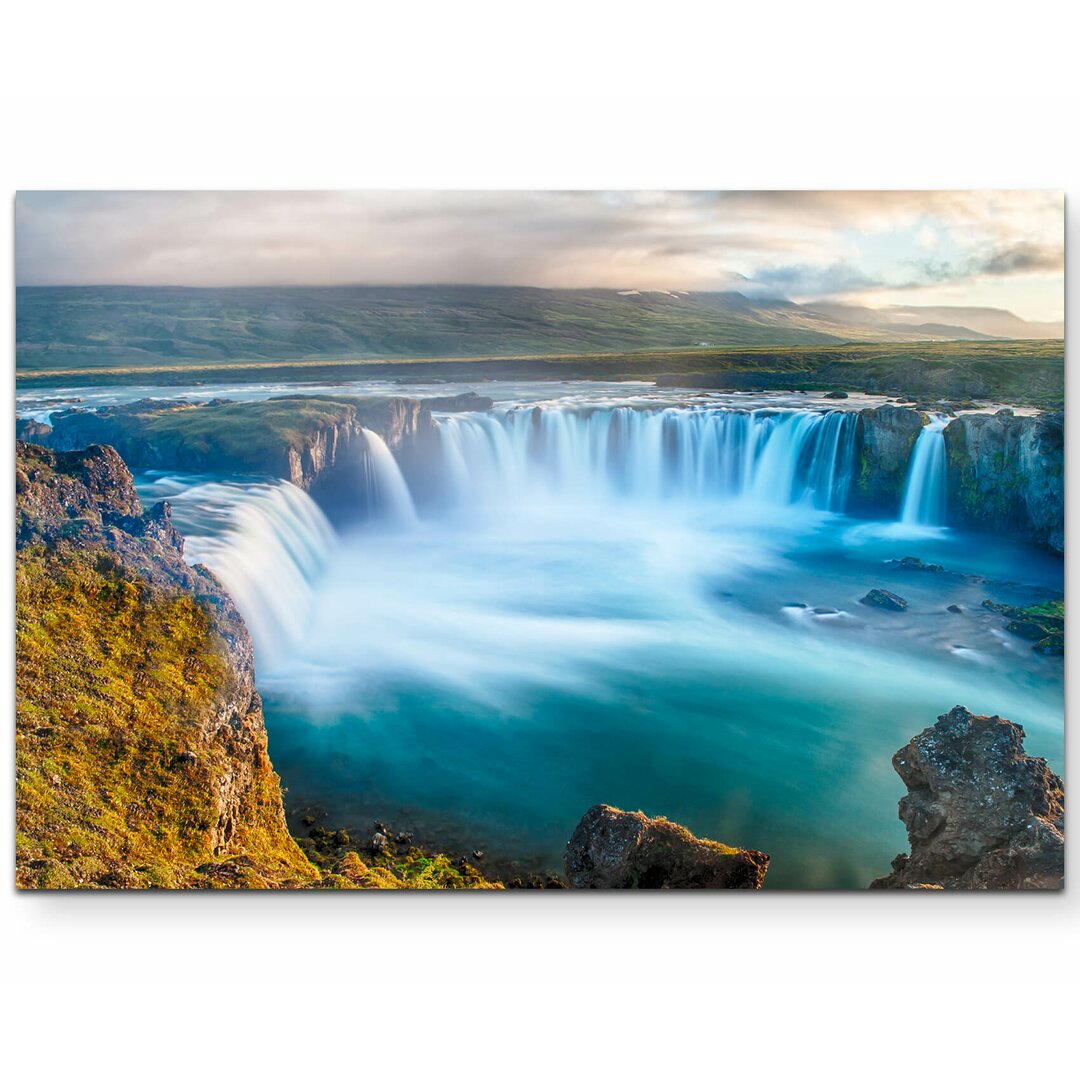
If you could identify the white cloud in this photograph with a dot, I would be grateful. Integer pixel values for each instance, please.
(801, 241)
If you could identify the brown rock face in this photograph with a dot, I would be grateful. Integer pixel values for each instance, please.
(614, 849)
(980, 813)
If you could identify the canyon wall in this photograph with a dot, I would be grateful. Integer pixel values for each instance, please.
(1005, 472)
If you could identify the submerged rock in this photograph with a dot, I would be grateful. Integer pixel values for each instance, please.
(979, 813)
(912, 562)
(837, 395)
(1042, 623)
(882, 598)
(616, 849)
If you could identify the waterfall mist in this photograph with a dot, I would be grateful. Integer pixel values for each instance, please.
(653, 607)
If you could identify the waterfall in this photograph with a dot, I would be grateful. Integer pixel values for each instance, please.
(385, 490)
(772, 456)
(924, 489)
(268, 543)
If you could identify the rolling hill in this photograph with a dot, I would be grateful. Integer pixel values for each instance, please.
(74, 328)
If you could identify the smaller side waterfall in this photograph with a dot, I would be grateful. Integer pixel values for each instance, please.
(385, 489)
(924, 490)
(268, 543)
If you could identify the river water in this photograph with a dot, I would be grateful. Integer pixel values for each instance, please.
(640, 597)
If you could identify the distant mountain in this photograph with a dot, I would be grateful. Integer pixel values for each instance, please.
(123, 326)
(993, 322)
(949, 323)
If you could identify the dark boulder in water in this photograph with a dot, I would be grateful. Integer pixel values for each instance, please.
(615, 849)
(1042, 623)
(882, 598)
(979, 813)
(837, 395)
(911, 562)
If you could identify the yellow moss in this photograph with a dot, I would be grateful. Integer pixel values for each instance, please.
(114, 679)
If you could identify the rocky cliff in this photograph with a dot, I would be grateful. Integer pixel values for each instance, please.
(884, 439)
(141, 754)
(980, 813)
(1007, 473)
(298, 438)
(614, 849)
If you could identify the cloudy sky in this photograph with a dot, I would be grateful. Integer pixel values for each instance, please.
(999, 249)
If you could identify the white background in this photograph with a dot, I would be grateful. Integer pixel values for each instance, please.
(418, 94)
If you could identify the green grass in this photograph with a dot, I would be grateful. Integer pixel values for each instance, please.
(105, 326)
(247, 432)
(1020, 372)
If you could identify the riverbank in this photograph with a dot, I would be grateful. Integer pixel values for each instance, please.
(1014, 372)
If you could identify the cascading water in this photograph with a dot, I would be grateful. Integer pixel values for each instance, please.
(268, 543)
(924, 490)
(770, 456)
(385, 490)
(483, 679)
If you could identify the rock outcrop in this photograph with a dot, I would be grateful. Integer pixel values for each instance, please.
(614, 849)
(1043, 624)
(980, 813)
(298, 438)
(141, 755)
(885, 437)
(1007, 473)
(32, 431)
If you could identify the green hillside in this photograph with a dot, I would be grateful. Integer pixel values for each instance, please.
(66, 328)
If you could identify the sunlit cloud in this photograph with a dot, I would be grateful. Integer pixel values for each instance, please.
(967, 247)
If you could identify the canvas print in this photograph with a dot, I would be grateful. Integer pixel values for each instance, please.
(545, 540)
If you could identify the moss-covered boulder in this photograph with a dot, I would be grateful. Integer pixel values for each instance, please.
(614, 849)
